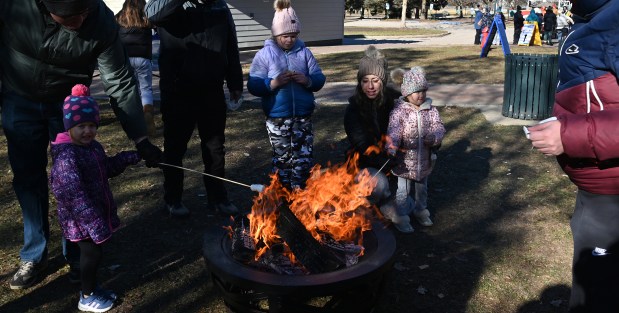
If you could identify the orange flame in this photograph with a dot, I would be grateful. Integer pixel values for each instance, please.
(385, 141)
(334, 202)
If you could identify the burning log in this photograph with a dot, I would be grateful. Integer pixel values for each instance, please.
(315, 257)
(347, 251)
(274, 260)
(243, 246)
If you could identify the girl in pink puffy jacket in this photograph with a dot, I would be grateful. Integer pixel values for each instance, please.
(415, 131)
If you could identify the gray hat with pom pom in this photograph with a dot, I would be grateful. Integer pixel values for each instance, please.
(373, 63)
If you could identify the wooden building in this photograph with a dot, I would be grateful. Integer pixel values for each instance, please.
(322, 21)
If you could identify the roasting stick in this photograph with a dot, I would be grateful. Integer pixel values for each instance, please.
(253, 187)
(381, 168)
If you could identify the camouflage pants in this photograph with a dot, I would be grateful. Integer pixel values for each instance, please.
(292, 140)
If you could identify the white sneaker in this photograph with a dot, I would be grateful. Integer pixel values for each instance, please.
(403, 224)
(389, 210)
(423, 217)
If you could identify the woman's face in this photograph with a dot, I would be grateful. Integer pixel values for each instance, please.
(286, 41)
(371, 86)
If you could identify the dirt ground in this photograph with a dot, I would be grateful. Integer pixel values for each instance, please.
(155, 262)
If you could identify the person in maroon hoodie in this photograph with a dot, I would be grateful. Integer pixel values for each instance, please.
(585, 140)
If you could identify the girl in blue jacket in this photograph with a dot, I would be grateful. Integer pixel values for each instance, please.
(285, 74)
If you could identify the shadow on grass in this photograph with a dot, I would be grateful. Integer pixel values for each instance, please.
(155, 262)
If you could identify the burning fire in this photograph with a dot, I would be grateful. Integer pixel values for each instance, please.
(334, 203)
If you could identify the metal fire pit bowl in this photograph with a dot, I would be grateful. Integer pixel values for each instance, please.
(353, 289)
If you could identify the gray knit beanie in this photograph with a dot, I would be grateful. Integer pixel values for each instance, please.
(373, 63)
(414, 81)
(285, 20)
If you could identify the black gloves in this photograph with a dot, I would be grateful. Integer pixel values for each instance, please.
(151, 154)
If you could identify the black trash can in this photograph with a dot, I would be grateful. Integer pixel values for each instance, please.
(530, 85)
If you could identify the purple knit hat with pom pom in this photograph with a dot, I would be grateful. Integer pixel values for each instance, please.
(79, 108)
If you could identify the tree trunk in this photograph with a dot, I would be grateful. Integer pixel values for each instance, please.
(404, 3)
(424, 9)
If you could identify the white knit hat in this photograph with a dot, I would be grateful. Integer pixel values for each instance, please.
(414, 80)
(285, 20)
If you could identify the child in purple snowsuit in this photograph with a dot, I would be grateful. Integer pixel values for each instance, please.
(79, 180)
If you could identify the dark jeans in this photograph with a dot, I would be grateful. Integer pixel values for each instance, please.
(595, 275)
(517, 36)
(28, 127)
(548, 37)
(181, 112)
(478, 36)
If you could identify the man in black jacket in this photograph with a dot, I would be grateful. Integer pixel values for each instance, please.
(550, 23)
(518, 24)
(199, 52)
(46, 47)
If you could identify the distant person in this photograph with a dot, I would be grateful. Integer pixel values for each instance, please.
(486, 23)
(533, 18)
(584, 140)
(366, 120)
(136, 33)
(79, 181)
(540, 17)
(477, 25)
(46, 47)
(550, 23)
(518, 24)
(285, 75)
(415, 132)
(199, 53)
(563, 26)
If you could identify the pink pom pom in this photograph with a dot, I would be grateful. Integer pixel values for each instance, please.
(80, 90)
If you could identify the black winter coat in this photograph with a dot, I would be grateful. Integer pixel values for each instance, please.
(41, 60)
(199, 48)
(138, 41)
(518, 20)
(550, 21)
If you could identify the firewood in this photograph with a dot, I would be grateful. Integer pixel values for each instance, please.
(309, 252)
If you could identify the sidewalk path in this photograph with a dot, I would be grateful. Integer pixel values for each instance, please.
(487, 98)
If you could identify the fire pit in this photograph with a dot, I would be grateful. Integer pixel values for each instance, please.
(246, 289)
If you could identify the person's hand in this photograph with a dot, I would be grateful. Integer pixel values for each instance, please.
(281, 79)
(429, 139)
(151, 154)
(546, 138)
(299, 78)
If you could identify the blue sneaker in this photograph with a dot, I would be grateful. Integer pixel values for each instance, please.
(96, 302)
(105, 292)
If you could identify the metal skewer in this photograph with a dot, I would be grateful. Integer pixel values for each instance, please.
(381, 168)
(254, 187)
